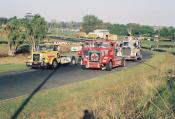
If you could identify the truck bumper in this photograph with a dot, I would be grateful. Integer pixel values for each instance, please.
(130, 57)
(36, 64)
(93, 65)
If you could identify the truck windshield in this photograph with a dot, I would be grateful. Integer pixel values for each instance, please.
(125, 44)
(44, 48)
(103, 45)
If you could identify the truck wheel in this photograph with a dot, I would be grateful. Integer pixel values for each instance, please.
(83, 67)
(73, 61)
(33, 67)
(55, 64)
(123, 63)
(140, 57)
(109, 66)
(136, 58)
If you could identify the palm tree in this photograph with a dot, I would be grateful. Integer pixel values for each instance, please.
(6, 35)
(36, 30)
(13, 33)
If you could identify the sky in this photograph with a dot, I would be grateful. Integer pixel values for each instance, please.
(146, 12)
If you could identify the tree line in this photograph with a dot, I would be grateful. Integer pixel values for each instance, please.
(62, 25)
(91, 22)
(19, 31)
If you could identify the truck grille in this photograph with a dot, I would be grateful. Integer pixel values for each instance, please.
(36, 57)
(94, 56)
(126, 51)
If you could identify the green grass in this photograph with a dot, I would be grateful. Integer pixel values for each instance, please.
(65, 34)
(146, 43)
(4, 68)
(163, 103)
(115, 95)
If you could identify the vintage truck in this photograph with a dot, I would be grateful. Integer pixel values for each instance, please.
(130, 48)
(86, 46)
(103, 55)
(48, 56)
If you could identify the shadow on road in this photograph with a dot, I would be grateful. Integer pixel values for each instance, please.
(26, 101)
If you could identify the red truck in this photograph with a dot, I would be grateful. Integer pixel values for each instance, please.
(103, 55)
(87, 45)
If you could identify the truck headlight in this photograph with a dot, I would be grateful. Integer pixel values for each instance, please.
(104, 60)
(29, 57)
(133, 52)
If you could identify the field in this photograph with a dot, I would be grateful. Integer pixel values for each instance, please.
(4, 68)
(146, 43)
(164, 46)
(10, 64)
(69, 34)
(138, 92)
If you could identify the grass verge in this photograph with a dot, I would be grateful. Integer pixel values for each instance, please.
(4, 68)
(165, 46)
(124, 94)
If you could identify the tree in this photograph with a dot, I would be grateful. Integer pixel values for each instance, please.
(12, 32)
(3, 20)
(137, 29)
(16, 31)
(90, 23)
(36, 30)
(6, 34)
(167, 32)
(118, 29)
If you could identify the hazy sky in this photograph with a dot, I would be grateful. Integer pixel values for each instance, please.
(149, 12)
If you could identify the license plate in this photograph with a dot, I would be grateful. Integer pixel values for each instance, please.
(35, 62)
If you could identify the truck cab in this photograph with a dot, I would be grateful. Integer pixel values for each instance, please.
(103, 56)
(47, 55)
(131, 49)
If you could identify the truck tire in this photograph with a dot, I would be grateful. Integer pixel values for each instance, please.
(33, 67)
(140, 57)
(55, 64)
(73, 61)
(136, 59)
(123, 62)
(83, 67)
(109, 66)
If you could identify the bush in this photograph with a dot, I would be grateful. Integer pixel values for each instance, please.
(23, 49)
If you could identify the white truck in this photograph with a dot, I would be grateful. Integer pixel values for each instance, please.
(131, 48)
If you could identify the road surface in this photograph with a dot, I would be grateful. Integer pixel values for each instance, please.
(21, 83)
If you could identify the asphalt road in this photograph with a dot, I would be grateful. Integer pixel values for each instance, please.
(21, 83)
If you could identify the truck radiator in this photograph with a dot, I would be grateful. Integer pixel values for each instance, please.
(36, 57)
(126, 51)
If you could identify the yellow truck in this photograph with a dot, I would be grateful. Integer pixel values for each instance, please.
(48, 56)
